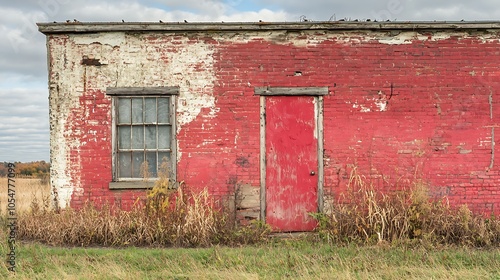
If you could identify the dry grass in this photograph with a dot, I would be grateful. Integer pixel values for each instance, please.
(167, 218)
(170, 215)
(368, 216)
(174, 216)
(27, 191)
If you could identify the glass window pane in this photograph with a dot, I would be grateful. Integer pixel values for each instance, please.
(163, 110)
(144, 113)
(123, 110)
(164, 163)
(137, 137)
(137, 110)
(137, 160)
(124, 137)
(163, 157)
(124, 165)
(150, 137)
(150, 109)
(164, 136)
(151, 159)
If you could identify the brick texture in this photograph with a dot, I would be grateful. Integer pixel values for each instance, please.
(424, 109)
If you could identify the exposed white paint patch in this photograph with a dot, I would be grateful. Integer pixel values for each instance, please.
(133, 60)
(362, 108)
(346, 39)
(213, 112)
(485, 38)
(409, 37)
(444, 36)
(485, 143)
(66, 85)
(111, 38)
(381, 105)
(403, 38)
(63, 194)
(298, 39)
(172, 63)
(379, 102)
(311, 38)
(198, 94)
(310, 41)
(236, 137)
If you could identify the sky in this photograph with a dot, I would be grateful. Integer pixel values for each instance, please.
(24, 122)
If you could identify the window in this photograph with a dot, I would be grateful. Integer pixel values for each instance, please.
(143, 134)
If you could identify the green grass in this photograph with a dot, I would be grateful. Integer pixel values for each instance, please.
(283, 259)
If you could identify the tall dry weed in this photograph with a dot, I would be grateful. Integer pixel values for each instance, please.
(367, 215)
(170, 215)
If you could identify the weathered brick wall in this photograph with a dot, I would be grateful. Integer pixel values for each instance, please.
(401, 105)
(426, 109)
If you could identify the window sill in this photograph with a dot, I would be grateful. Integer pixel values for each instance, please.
(130, 185)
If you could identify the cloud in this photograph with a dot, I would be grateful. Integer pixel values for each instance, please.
(24, 130)
(24, 133)
(22, 47)
(392, 9)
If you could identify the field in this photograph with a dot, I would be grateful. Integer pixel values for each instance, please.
(27, 190)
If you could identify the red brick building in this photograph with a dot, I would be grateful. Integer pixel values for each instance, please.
(279, 112)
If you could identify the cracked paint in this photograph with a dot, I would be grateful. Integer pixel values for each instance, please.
(129, 62)
(439, 99)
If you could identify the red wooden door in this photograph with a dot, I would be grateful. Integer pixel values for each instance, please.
(291, 163)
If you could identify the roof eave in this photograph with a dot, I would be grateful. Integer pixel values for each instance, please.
(92, 27)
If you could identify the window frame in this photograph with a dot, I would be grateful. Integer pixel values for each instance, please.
(131, 92)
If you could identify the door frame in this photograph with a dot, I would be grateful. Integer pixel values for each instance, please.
(315, 92)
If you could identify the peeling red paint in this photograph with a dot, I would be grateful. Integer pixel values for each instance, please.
(373, 141)
(423, 109)
(291, 163)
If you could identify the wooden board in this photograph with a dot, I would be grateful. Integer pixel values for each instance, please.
(291, 163)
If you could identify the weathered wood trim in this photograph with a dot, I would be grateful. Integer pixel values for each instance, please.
(263, 158)
(313, 91)
(92, 27)
(320, 129)
(114, 143)
(114, 140)
(127, 91)
(131, 185)
(173, 140)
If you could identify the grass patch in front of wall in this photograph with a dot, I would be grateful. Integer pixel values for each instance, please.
(274, 259)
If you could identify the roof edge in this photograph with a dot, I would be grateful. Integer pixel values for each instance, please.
(92, 27)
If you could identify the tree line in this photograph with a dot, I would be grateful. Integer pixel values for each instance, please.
(33, 168)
